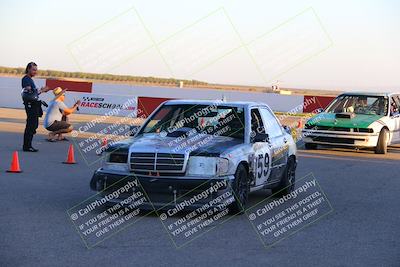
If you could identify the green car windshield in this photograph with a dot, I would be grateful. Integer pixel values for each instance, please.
(359, 104)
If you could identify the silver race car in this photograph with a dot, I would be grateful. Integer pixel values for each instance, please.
(187, 146)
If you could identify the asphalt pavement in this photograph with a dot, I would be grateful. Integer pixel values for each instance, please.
(361, 230)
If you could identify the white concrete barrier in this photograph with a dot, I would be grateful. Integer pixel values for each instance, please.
(11, 88)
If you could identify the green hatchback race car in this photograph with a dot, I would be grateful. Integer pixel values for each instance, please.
(360, 120)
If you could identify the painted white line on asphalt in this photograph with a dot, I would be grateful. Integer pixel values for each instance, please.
(390, 161)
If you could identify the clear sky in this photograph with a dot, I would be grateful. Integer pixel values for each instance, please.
(350, 45)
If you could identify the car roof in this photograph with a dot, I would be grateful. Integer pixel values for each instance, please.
(368, 93)
(214, 102)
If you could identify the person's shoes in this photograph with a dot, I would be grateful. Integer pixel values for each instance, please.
(31, 149)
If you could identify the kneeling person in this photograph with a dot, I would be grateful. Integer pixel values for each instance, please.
(56, 117)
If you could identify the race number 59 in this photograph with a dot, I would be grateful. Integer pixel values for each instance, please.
(262, 164)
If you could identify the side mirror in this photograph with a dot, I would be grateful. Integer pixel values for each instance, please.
(318, 110)
(133, 129)
(261, 137)
(287, 129)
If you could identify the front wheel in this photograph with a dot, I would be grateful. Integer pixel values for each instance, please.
(381, 147)
(241, 189)
(288, 180)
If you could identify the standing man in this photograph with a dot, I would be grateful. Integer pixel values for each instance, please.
(30, 96)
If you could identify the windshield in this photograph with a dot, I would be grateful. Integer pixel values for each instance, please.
(175, 120)
(359, 104)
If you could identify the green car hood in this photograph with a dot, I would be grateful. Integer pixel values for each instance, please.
(329, 120)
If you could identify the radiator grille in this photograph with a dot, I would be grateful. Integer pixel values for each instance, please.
(157, 162)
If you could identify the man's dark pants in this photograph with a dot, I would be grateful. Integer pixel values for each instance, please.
(32, 122)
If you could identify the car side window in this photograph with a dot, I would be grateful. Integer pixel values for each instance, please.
(397, 99)
(272, 126)
(394, 106)
(257, 125)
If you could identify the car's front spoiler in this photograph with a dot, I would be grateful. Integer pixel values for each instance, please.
(340, 138)
(162, 192)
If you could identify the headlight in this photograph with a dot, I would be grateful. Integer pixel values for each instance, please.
(207, 166)
(122, 167)
(222, 166)
(116, 157)
(116, 162)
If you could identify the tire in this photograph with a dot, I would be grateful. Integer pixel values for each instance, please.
(241, 189)
(288, 179)
(310, 146)
(381, 146)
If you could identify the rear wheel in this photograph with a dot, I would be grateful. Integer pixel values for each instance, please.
(241, 189)
(310, 146)
(288, 179)
(381, 147)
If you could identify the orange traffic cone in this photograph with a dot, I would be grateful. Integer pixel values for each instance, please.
(15, 164)
(105, 142)
(300, 124)
(70, 157)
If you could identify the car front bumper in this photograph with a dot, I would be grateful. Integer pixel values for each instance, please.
(352, 139)
(162, 192)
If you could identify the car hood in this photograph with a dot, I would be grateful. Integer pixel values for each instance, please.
(120, 146)
(200, 144)
(330, 120)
